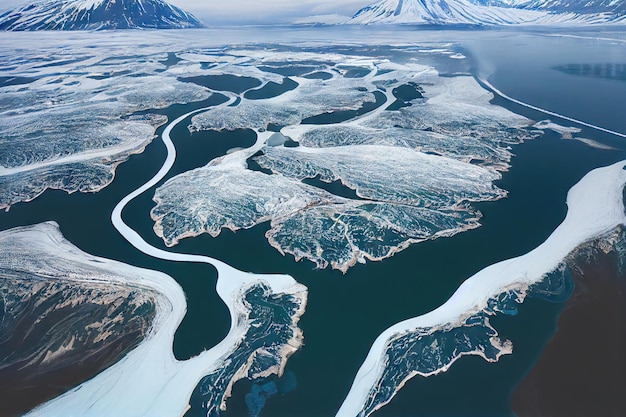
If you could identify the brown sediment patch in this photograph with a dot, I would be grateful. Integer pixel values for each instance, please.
(582, 370)
(24, 388)
(54, 336)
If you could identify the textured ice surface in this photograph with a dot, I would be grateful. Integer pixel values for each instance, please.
(70, 127)
(195, 202)
(428, 351)
(331, 229)
(270, 337)
(341, 235)
(63, 320)
(419, 179)
(468, 148)
(311, 98)
(68, 312)
(429, 344)
(413, 172)
(454, 120)
(148, 380)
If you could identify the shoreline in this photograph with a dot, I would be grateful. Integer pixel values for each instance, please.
(592, 211)
(590, 330)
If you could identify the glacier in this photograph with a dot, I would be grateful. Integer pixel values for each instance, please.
(310, 98)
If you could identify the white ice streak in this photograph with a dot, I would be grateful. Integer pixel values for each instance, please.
(595, 207)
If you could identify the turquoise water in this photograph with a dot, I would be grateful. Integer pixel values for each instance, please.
(345, 313)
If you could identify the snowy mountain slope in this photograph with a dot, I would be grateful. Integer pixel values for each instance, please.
(98, 15)
(562, 6)
(492, 12)
(441, 12)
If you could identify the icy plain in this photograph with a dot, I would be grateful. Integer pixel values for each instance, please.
(67, 121)
(411, 163)
(149, 380)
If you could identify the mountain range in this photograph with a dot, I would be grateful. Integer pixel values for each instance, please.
(157, 14)
(492, 12)
(97, 15)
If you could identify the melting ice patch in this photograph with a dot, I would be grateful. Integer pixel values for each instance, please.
(413, 172)
(269, 339)
(419, 179)
(566, 132)
(331, 229)
(340, 236)
(243, 191)
(489, 150)
(71, 126)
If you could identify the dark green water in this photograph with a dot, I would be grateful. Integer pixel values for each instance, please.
(347, 312)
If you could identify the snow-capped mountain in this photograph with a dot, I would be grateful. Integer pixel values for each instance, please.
(97, 15)
(441, 12)
(492, 12)
(562, 6)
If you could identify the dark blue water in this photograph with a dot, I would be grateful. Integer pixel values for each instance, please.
(526, 67)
